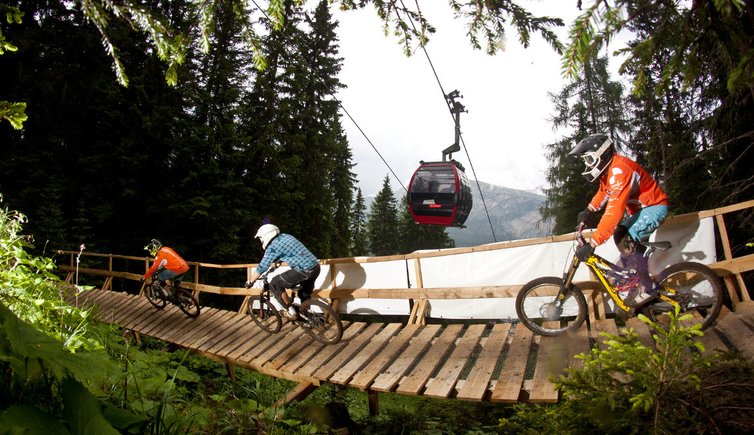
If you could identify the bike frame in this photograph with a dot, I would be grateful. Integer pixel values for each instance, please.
(596, 264)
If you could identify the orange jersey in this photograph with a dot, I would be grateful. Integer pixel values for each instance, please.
(170, 259)
(624, 187)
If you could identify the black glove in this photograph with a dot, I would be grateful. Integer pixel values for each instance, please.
(585, 252)
(584, 216)
(248, 284)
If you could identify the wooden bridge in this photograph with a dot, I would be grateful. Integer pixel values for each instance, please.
(497, 361)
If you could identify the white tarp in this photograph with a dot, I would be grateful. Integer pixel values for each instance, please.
(692, 241)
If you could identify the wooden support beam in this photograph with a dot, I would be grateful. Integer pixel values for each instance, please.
(298, 393)
(374, 403)
(229, 370)
(744, 292)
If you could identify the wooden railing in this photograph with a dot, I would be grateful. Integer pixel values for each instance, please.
(730, 269)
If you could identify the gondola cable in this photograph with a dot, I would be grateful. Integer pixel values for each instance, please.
(448, 102)
(340, 104)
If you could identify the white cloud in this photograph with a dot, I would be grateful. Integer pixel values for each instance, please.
(397, 101)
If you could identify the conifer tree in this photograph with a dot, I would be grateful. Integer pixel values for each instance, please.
(359, 236)
(590, 103)
(382, 226)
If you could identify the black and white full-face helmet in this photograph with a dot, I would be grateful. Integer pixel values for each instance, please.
(597, 151)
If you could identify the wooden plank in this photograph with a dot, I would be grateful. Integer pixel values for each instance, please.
(108, 310)
(120, 308)
(328, 362)
(208, 330)
(511, 378)
(163, 318)
(265, 344)
(231, 325)
(254, 340)
(736, 331)
(186, 326)
(443, 383)
(244, 330)
(419, 375)
(139, 320)
(176, 317)
(578, 343)
(606, 325)
(366, 375)
(298, 393)
(417, 346)
(478, 380)
(291, 352)
(552, 358)
(643, 330)
(319, 354)
(207, 323)
(285, 342)
(366, 353)
(238, 323)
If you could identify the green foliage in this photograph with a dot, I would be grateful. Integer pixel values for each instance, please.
(33, 292)
(627, 387)
(686, 30)
(14, 113)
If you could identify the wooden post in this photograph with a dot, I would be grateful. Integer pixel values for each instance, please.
(333, 285)
(374, 403)
(419, 310)
(230, 371)
(729, 283)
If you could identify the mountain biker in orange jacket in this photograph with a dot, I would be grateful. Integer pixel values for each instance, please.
(167, 263)
(635, 206)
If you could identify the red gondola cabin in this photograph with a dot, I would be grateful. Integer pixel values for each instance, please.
(439, 194)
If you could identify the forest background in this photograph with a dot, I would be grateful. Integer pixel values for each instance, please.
(203, 143)
(193, 123)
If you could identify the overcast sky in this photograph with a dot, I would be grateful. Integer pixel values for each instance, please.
(397, 101)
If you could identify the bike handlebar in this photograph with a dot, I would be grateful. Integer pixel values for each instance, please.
(579, 236)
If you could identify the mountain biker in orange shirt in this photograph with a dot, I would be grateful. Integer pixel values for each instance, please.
(635, 206)
(167, 263)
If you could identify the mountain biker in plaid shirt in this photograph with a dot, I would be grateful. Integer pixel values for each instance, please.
(304, 266)
(635, 206)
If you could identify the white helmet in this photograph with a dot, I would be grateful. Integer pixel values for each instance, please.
(266, 233)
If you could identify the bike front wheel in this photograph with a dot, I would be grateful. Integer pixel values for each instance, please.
(187, 302)
(320, 321)
(154, 297)
(694, 287)
(538, 307)
(264, 314)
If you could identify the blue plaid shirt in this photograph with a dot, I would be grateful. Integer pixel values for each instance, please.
(287, 248)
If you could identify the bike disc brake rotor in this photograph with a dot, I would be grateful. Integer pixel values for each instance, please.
(550, 311)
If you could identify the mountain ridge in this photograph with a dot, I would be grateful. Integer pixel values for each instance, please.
(514, 215)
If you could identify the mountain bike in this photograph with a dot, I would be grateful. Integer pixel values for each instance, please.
(172, 292)
(315, 317)
(552, 306)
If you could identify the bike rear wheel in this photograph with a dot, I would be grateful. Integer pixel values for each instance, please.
(187, 302)
(695, 287)
(264, 314)
(320, 321)
(154, 297)
(538, 309)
